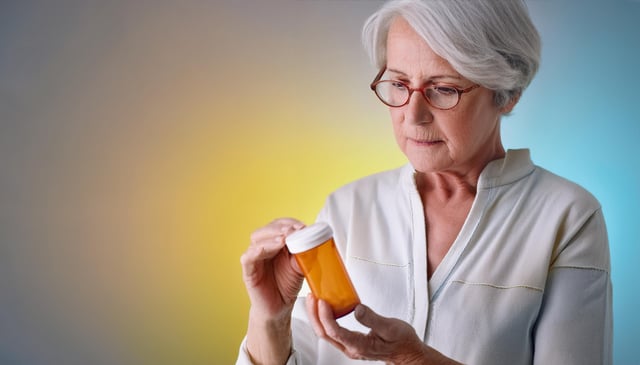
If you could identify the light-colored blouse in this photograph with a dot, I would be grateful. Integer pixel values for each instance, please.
(527, 280)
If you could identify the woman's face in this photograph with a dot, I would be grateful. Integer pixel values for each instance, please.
(458, 140)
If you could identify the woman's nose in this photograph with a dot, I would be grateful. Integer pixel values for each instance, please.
(418, 110)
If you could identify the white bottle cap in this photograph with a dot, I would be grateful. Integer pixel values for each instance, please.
(308, 237)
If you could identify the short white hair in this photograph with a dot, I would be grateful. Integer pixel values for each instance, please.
(490, 42)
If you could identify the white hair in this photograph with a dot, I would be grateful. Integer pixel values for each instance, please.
(490, 42)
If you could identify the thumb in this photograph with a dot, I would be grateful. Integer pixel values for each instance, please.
(369, 318)
(388, 329)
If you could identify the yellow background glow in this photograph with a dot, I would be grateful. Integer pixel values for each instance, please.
(154, 138)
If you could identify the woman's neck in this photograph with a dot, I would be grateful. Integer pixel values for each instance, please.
(460, 183)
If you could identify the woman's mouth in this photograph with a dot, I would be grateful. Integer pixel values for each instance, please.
(425, 142)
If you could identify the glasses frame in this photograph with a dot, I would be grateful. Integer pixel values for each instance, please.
(422, 90)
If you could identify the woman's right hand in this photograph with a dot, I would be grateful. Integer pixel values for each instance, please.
(273, 280)
(271, 274)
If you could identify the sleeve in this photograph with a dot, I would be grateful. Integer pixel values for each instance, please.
(245, 359)
(575, 321)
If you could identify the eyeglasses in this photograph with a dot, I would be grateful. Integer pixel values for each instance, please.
(396, 93)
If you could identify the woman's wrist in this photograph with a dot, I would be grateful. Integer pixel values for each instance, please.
(269, 339)
(435, 357)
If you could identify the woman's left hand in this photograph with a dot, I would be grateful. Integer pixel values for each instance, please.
(389, 339)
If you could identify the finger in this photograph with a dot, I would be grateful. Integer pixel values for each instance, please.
(250, 261)
(271, 243)
(266, 233)
(369, 318)
(281, 226)
(253, 259)
(384, 327)
(263, 251)
(327, 319)
(312, 312)
(353, 344)
(289, 221)
(291, 227)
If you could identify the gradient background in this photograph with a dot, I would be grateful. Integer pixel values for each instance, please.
(142, 141)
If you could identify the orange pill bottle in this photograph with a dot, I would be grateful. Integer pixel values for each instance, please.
(318, 258)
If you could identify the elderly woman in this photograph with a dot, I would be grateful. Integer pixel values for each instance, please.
(469, 253)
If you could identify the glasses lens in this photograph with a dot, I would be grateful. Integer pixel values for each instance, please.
(443, 97)
(392, 93)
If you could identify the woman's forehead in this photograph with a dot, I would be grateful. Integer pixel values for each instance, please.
(407, 51)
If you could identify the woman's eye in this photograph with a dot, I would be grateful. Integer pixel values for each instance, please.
(445, 90)
(398, 85)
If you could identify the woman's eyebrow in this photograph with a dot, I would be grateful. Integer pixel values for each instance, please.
(432, 78)
(397, 72)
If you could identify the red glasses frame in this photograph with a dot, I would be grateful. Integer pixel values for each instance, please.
(422, 91)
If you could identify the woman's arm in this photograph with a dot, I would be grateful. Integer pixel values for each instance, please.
(273, 280)
(575, 322)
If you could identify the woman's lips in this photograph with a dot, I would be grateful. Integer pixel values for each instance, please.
(425, 142)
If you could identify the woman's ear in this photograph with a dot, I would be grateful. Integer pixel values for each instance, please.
(510, 105)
